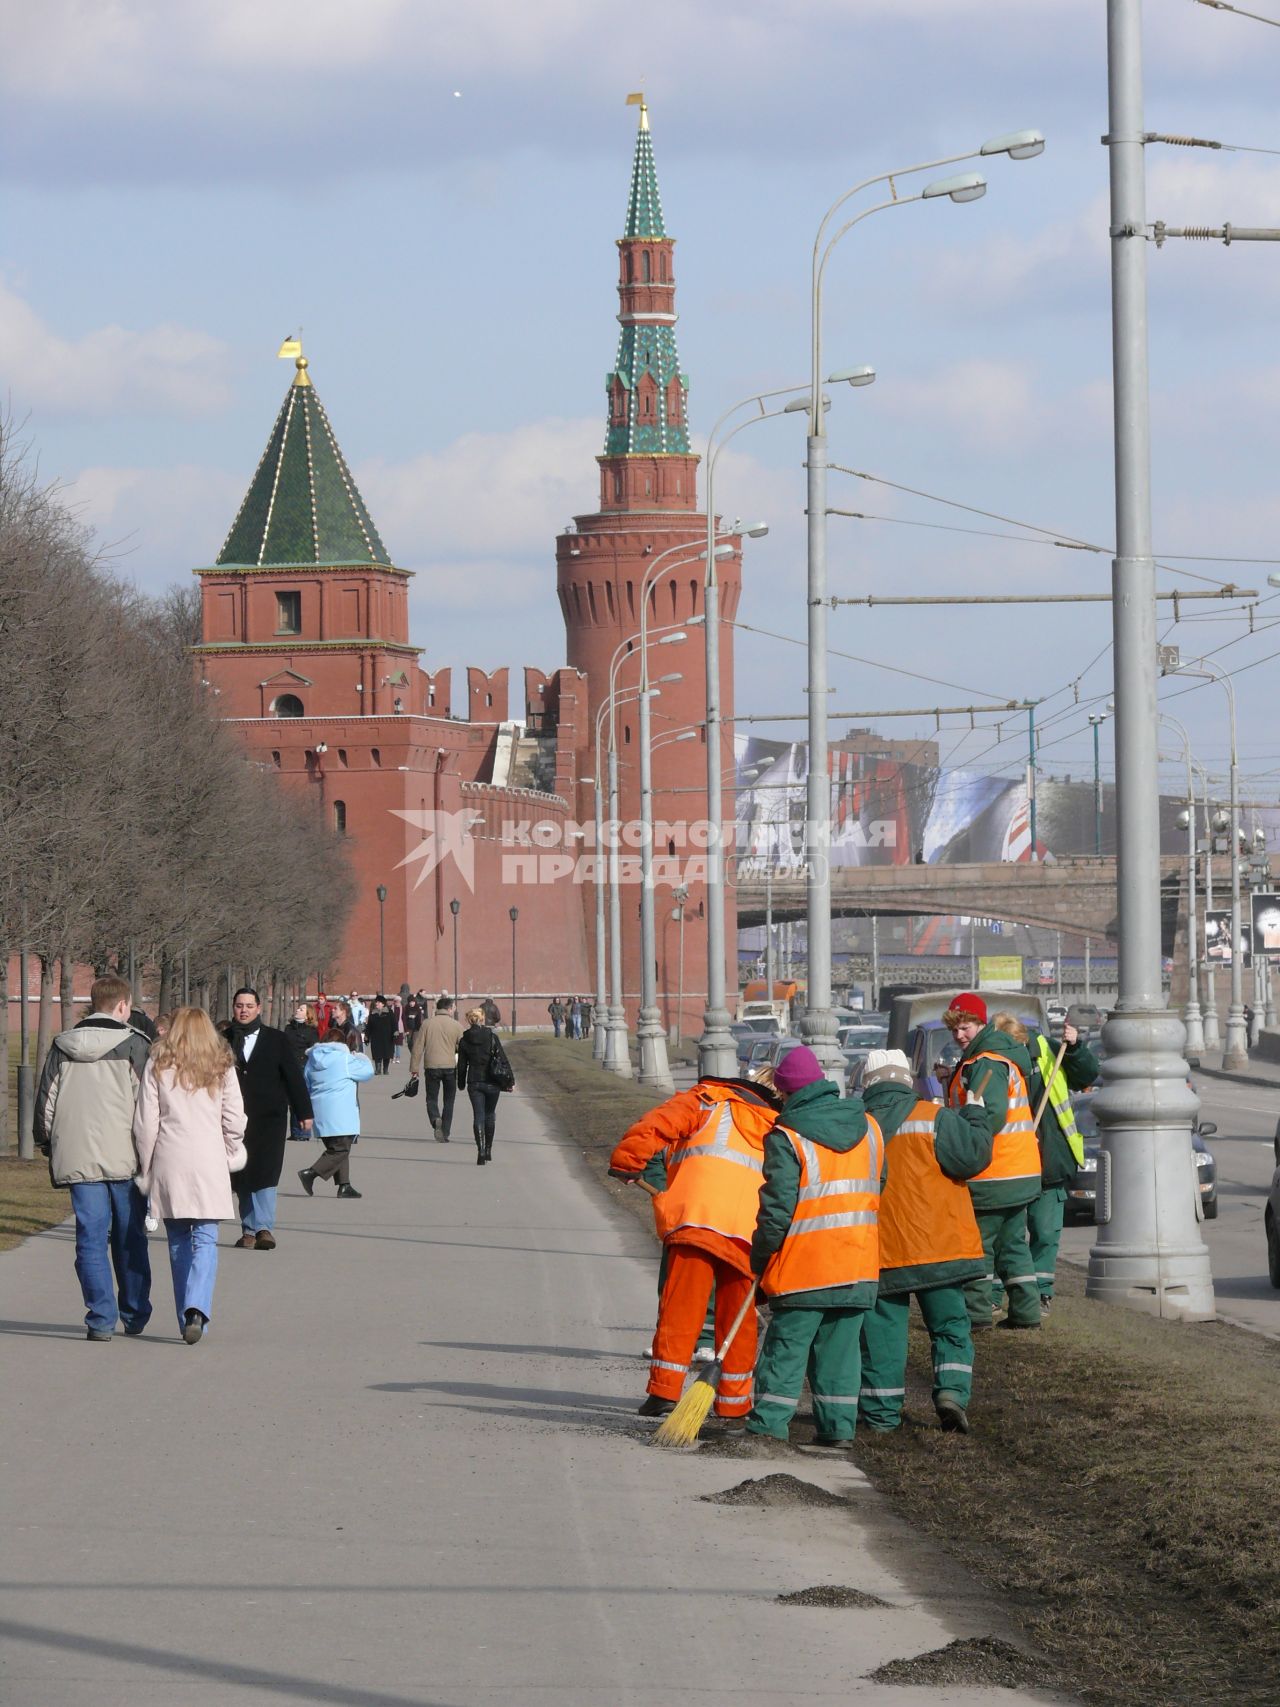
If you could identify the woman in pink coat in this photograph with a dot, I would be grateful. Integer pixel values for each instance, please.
(188, 1128)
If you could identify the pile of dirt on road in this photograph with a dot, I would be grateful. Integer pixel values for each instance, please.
(773, 1491)
(834, 1595)
(977, 1662)
(1121, 1488)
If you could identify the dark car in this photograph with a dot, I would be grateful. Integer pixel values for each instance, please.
(1082, 1194)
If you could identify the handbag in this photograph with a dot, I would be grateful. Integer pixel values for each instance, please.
(499, 1071)
(410, 1090)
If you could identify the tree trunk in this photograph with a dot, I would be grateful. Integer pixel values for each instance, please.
(67, 988)
(44, 1035)
(7, 1139)
(165, 1002)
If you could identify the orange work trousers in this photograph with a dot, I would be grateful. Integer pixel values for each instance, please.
(691, 1273)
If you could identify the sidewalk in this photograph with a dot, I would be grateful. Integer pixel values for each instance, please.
(1265, 1074)
(404, 1470)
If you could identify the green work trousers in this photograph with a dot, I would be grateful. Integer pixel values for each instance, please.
(1044, 1229)
(826, 1346)
(884, 1353)
(1004, 1239)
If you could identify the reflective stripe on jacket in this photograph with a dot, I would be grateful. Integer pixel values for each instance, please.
(715, 1174)
(1015, 1155)
(1059, 1096)
(925, 1217)
(833, 1239)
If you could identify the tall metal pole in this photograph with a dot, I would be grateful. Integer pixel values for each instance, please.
(514, 914)
(1191, 1015)
(770, 969)
(1057, 965)
(1149, 1253)
(650, 1033)
(1031, 777)
(617, 1055)
(1212, 1036)
(455, 907)
(26, 1070)
(599, 1029)
(717, 1055)
(973, 954)
(1088, 969)
(1097, 789)
(819, 1024)
(875, 964)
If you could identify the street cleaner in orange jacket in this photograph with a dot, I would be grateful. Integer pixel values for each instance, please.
(816, 1250)
(712, 1141)
(996, 1069)
(929, 1242)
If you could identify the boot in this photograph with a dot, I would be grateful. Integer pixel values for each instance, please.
(479, 1138)
(488, 1149)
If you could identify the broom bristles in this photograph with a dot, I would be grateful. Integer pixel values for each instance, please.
(682, 1426)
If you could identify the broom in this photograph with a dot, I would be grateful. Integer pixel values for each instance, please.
(682, 1426)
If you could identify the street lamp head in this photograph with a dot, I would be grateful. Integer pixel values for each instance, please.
(514, 914)
(964, 187)
(675, 677)
(1184, 819)
(1018, 145)
(382, 892)
(852, 376)
(673, 639)
(756, 530)
(455, 907)
(798, 405)
(1273, 580)
(696, 621)
(720, 551)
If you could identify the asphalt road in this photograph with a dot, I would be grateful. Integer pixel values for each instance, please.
(404, 1470)
(1246, 1118)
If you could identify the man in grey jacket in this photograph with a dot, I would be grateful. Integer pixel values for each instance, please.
(84, 1124)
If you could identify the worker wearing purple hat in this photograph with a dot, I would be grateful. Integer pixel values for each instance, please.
(816, 1251)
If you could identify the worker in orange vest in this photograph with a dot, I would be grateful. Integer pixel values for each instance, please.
(995, 1069)
(929, 1242)
(712, 1140)
(816, 1251)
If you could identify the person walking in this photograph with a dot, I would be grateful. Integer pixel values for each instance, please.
(380, 1029)
(575, 1017)
(303, 1033)
(484, 1073)
(491, 1015)
(555, 1007)
(435, 1054)
(272, 1086)
(189, 1128)
(1061, 1146)
(83, 1122)
(711, 1139)
(994, 1070)
(816, 1250)
(929, 1243)
(332, 1073)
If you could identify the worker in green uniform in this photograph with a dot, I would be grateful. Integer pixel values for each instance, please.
(995, 1069)
(1061, 1146)
(929, 1242)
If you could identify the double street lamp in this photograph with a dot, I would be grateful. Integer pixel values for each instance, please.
(382, 938)
(819, 1023)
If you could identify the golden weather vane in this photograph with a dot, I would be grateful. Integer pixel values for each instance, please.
(636, 99)
(293, 347)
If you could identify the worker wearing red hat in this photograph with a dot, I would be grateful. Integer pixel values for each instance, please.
(995, 1070)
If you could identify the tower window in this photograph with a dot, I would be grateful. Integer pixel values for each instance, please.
(275, 760)
(342, 757)
(286, 705)
(288, 613)
(645, 267)
(340, 817)
(375, 755)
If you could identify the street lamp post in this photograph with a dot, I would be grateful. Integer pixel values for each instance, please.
(455, 907)
(1209, 976)
(1192, 1018)
(681, 894)
(1235, 1052)
(513, 914)
(382, 938)
(1097, 719)
(1148, 1252)
(819, 1022)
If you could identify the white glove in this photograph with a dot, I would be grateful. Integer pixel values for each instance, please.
(972, 1100)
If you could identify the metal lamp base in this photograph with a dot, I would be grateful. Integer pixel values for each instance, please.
(617, 1057)
(655, 1070)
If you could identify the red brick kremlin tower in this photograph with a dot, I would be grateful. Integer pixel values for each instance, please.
(648, 505)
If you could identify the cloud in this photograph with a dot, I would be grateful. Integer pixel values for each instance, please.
(167, 369)
(992, 400)
(156, 524)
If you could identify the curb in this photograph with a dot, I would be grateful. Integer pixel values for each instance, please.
(1238, 1078)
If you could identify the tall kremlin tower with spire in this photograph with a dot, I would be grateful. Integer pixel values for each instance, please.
(645, 542)
(305, 650)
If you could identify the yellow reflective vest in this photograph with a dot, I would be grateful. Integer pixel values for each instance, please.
(1059, 1095)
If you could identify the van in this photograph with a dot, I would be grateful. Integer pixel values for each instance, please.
(915, 1026)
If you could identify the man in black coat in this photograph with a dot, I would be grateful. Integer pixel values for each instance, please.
(272, 1085)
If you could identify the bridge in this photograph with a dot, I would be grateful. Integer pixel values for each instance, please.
(1077, 894)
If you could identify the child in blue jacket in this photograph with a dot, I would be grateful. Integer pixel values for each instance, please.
(332, 1073)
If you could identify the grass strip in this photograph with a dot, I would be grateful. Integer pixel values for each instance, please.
(28, 1203)
(1120, 1489)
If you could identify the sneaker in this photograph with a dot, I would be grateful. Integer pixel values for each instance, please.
(1045, 1305)
(656, 1407)
(308, 1178)
(246, 1242)
(952, 1418)
(99, 1334)
(704, 1354)
(265, 1240)
(193, 1327)
(349, 1191)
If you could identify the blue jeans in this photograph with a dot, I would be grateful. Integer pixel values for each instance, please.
(257, 1209)
(110, 1216)
(193, 1257)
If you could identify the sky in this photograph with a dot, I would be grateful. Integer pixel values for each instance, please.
(432, 194)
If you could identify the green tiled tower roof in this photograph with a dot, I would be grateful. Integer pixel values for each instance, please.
(302, 506)
(644, 204)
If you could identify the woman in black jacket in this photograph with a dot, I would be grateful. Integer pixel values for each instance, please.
(380, 1029)
(478, 1047)
(302, 1032)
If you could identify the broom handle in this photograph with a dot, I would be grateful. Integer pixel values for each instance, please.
(1044, 1099)
(747, 1303)
(645, 1186)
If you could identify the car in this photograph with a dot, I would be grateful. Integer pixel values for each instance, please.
(743, 1036)
(1082, 1194)
(915, 1025)
(764, 1025)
